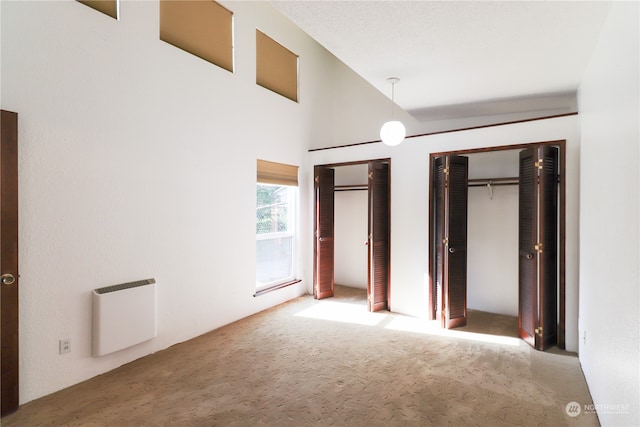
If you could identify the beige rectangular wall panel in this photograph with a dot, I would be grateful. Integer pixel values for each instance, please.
(202, 28)
(108, 7)
(276, 67)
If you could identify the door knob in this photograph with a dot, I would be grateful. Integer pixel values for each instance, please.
(8, 279)
(452, 250)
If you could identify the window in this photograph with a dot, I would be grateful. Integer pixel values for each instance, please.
(276, 224)
(275, 234)
(276, 67)
(202, 28)
(108, 7)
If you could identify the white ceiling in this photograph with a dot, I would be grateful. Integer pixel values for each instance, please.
(460, 58)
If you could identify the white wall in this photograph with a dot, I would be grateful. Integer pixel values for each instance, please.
(492, 235)
(350, 233)
(137, 160)
(410, 196)
(351, 227)
(609, 219)
(492, 250)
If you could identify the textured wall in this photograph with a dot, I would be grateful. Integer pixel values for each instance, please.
(137, 160)
(609, 220)
(351, 225)
(493, 235)
(492, 250)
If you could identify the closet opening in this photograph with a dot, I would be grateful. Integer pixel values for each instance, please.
(352, 232)
(497, 239)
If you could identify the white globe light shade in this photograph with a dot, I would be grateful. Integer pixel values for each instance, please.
(392, 133)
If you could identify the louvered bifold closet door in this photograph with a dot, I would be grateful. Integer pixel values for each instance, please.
(455, 272)
(527, 238)
(379, 237)
(439, 234)
(323, 274)
(548, 232)
(538, 246)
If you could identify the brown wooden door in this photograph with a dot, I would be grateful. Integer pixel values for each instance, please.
(450, 191)
(9, 261)
(548, 257)
(438, 232)
(323, 268)
(538, 240)
(379, 236)
(527, 240)
(455, 289)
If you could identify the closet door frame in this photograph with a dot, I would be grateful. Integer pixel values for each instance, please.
(561, 144)
(317, 261)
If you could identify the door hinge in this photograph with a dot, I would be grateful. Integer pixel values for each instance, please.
(317, 179)
(445, 241)
(538, 247)
(539, 331)
(370, 175)
(539, 163)
(445, 171)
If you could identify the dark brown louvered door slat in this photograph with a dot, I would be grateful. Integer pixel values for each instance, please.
(527, 237)
(9, 292)
(438, 233)
(378, 282)
(323, 276)
(455, 283)
(548, 232)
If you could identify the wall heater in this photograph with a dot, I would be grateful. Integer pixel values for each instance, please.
(123, 315)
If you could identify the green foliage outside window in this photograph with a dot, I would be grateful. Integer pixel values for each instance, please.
(272, 214)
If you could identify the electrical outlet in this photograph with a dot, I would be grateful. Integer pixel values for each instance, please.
(65, 345)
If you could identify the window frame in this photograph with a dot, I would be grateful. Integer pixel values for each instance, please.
(293, 232)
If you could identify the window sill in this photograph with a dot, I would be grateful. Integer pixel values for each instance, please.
(276, 287)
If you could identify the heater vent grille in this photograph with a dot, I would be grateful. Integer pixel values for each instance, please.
(121, 286)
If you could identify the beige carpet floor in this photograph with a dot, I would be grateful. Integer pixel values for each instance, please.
(330, 362)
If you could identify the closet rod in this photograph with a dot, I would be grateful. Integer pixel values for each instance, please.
(351, 187)
(483, 182)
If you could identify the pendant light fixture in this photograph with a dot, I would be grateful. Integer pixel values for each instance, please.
(392, 132)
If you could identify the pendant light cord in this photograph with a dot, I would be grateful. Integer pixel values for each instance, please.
(393, 81)
(393, 86)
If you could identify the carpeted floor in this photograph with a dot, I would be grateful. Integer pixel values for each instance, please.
(330, 362)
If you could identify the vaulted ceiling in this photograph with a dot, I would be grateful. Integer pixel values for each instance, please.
(460, 58)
